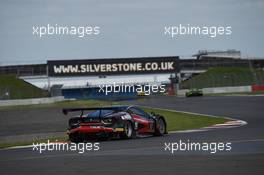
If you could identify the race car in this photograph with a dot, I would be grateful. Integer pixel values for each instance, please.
(123, 122)
(194, 92)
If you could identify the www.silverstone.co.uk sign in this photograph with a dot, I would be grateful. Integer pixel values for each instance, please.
(113, 66)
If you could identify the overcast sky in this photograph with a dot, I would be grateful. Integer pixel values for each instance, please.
(128, 28)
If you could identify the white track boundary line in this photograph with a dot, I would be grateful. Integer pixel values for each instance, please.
(27, 146)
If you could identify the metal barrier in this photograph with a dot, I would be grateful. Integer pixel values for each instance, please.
(31, 101)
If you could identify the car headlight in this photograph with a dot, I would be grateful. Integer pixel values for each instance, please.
(107, 120)
(126, 117)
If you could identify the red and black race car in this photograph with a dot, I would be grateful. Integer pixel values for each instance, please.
(114, 122)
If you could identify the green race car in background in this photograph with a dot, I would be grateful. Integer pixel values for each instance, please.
(194, 92)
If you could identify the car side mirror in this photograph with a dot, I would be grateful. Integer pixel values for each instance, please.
(64, 111)
(152, 113)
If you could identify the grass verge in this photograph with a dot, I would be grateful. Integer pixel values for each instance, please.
(177, 121)
(225, 76)
(51, 139)
(19, 89)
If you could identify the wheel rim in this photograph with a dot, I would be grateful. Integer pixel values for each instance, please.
(128, 129)
(161, 126)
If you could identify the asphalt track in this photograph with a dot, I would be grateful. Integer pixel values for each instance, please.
(147, 156)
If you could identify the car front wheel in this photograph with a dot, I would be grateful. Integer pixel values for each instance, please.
(128, 130)
(161, 127)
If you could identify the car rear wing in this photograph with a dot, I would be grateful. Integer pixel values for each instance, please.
(65, 111)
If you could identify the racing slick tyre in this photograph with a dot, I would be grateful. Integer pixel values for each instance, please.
(128, 131)
(74, 122)
(75, 138)
(160, 127)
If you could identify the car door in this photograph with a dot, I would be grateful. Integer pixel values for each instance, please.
(144, 121)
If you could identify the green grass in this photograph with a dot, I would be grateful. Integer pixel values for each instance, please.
(225, 76)
(51, 139)
(18, 88)
(183, 121)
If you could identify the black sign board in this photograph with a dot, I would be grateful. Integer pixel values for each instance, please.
(98, 67)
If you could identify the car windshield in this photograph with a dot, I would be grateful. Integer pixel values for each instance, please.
(104, 112)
